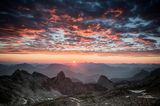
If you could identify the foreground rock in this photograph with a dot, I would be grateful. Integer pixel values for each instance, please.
(117, 97)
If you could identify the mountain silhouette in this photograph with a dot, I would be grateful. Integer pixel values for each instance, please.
(105, 82)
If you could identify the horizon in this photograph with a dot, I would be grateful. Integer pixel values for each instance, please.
(84, 58)
(71, 63)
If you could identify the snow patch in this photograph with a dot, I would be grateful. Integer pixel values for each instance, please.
(127, 96)
(147, 97)
(106, 103)
(24, 101)
(137, 91)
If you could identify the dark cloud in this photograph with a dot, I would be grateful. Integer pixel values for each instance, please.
(79, 25)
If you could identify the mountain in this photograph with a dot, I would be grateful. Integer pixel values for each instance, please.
(25, 88)
(141, 95)
(2, 66)
(9, 69)
(91, 78)
(50, 70)
(152, 82)
(3, 69)
(105, 82)
(66, 86)
(139, 76)
(85, 72)
(111, 71)
(53, 69)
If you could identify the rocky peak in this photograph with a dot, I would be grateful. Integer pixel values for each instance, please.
(21, 75)
(105, 82)
(60, 75)
(36, 74)
(104, 78)
(40, 77)
(20, 72)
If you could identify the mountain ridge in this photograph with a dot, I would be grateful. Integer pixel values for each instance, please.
(36, 85)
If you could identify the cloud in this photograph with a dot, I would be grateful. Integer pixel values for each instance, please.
(77, 25)
(137, 23)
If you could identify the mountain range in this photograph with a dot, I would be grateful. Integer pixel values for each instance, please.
(24, 89)
(85, 72)
(22, 86)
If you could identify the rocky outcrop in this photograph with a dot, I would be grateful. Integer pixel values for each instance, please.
(105, 82)
(66, 86)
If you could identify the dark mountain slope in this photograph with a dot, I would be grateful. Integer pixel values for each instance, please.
(105, 82)
(66, 86)
(152, 82)
(139, 76)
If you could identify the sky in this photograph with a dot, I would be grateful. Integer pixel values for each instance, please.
(100, 31)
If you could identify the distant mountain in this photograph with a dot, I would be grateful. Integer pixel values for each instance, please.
(139, 76)
(3, 69)
(50, 70)
(91, 78)
(53, 69)
(111, 71)
(105, 82)
(75, 80)
(2, 66)
(85, 72)
(9, 69)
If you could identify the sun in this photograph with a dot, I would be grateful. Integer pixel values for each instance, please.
(74, 62)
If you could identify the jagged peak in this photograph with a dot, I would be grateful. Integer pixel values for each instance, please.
(20, 72)
(24, 64)
(61, 75)
(37, 74)
(105, 82)
(103, 77)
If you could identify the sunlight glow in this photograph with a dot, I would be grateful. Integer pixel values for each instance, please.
(74, 61)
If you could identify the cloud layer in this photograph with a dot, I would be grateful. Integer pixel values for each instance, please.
(97, 26)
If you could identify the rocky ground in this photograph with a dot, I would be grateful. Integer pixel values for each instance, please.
(109, 98)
